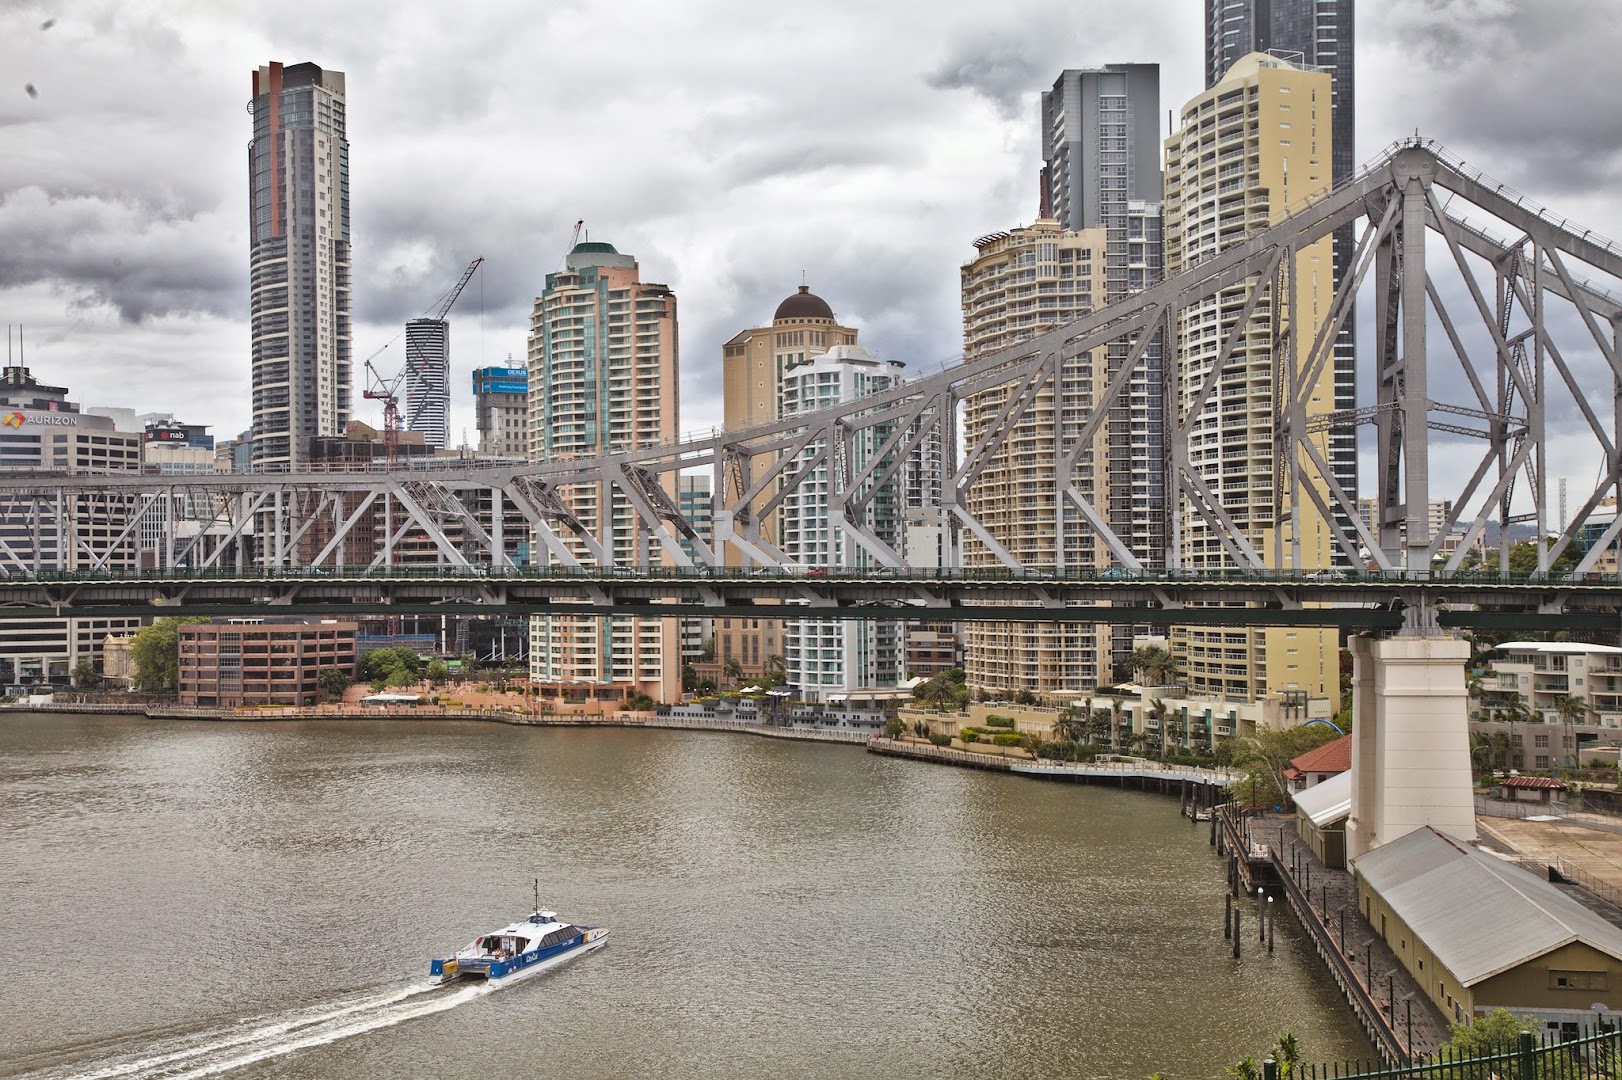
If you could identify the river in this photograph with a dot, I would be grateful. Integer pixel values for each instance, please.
(261, 899)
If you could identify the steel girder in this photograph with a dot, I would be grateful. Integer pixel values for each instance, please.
(1422, 253)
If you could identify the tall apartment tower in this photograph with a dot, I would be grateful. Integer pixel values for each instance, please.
(427, 384)
(1250, 148)
(1315, 34)
(1100, 144)
(753, 365)
(299, 257)
(1019, 284)
(1098, 240)
(603, 371)
(828, 659)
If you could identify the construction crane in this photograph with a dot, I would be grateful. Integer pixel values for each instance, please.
(428, 366)
(388, 392)
(449, 300)
(387, 389)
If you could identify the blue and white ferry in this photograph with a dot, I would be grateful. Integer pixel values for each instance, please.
(520, 950)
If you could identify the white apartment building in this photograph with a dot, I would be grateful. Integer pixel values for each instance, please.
(828, 659)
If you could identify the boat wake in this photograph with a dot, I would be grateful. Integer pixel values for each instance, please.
(221, 1049)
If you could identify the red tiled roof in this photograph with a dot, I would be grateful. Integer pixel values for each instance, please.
(1331, 757)
(1544, 783)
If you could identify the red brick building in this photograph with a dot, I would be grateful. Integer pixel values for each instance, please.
(261, 663)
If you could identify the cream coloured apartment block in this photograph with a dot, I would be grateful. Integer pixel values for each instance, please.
(1019, 284)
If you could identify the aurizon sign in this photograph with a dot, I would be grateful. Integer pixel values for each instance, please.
(50, 419)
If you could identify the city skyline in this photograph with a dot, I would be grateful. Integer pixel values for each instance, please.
(737, 196)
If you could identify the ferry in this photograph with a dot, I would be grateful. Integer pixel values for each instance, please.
(519, 950)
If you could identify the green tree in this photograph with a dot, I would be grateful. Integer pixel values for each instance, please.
(438, 672)
(1068, 727)
(156, 653)
(1154, 665)
(894, 726)
(733, 670)
(333, 682)
(383, 665)
(1266, 754)
(1496, 1032)
(84, 673)
(946, 692)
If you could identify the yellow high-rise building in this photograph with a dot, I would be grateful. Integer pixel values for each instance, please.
(1251, 148)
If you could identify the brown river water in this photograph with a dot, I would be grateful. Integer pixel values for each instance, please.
(262, 899)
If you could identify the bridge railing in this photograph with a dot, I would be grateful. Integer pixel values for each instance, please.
(1325, 579)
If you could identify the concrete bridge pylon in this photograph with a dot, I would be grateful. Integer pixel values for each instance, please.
(1410, 739)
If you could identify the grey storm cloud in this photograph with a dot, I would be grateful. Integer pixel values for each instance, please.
(1532, 89)
(1002, 72)
(730, 148)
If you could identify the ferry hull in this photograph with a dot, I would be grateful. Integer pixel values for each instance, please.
(519, 967)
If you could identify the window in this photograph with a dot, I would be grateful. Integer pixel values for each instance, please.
(1576, 980)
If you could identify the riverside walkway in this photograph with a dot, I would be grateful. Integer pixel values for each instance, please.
(1143, 775)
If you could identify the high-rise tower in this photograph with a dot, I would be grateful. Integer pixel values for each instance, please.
(1249, 149)
(1098, 241)
(603, 380)
(1312, 34)
(298, 232)
(428, 389)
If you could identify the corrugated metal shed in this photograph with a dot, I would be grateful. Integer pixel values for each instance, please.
(1328, 802)
(1477, 914)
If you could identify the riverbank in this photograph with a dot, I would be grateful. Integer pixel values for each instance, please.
(441, 712)
(1142, 775)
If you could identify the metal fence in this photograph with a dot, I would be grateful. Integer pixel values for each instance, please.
(1594, 1055)
(1500, 808)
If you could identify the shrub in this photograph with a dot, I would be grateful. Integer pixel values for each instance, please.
(968, 735)
(941, 740)
(1006, 738)
(998, 720)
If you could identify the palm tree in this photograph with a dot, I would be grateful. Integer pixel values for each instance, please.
(1515, 711)
(1116, 709)
(1573, 710)
(1067, 727)
(733, 669)
(1154, 664)
(1157, 709)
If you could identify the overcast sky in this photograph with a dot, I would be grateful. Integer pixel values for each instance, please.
(731, 147)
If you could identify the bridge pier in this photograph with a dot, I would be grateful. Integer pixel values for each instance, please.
(1410, 739)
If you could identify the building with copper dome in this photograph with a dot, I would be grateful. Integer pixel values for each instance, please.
(753, 361)
(752, 365)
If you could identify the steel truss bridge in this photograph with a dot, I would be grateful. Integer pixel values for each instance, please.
(1495, 341)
